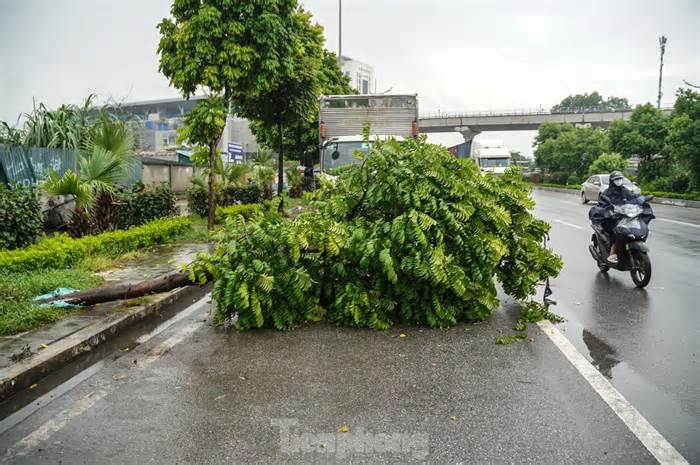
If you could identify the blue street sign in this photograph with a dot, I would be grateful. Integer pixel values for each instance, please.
(235, 153)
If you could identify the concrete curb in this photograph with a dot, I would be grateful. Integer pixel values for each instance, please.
(659, 200)
(28, 371)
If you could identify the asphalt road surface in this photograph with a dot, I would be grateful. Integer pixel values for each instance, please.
(192, 393)
(646, 341)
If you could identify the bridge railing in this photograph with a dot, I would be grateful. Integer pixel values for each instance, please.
(529, 112)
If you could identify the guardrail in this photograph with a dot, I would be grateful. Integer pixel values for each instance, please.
(528, 112)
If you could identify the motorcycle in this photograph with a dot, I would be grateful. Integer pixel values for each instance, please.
(631, 229)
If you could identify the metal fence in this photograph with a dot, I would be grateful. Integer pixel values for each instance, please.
(28, 166)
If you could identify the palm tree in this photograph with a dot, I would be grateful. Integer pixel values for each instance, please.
(105, 160)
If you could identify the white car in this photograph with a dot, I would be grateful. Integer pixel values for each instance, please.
(596, 185)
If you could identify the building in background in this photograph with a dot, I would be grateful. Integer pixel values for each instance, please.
(361, 75)
(159, 120)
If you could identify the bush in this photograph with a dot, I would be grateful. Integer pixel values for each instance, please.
(245, 195)
(61, 251)
(413, 236)
(247, 211)
(142, 205)
(678, 183)
(20, 217)
(557, 177)
(674, 195)
(573, 180)
(198, 200)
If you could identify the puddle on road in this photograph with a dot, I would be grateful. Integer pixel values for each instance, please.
(604, 356)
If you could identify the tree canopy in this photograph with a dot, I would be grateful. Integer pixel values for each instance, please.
(683, 140)
(593, 101)
(561, 147)
(301, 135)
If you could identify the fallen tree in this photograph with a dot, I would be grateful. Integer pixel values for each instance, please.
(125, 291)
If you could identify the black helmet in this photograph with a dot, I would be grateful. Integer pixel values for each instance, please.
(615, 175)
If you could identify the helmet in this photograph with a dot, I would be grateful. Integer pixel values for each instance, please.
(615, 175)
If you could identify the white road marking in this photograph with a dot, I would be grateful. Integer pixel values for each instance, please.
(660, 448)
(57, 423)
(180, 316)
(679, 222)
(569, 224)
(52, 426)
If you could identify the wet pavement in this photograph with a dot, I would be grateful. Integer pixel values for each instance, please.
(198, 394)
(645, 341)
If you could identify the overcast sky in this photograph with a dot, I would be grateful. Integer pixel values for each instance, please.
(458, 55)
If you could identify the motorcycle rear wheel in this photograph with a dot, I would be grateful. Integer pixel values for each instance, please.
(641, 273)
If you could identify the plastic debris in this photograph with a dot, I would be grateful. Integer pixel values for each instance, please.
(57, 293)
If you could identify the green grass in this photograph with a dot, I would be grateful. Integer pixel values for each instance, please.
(17, 311)
(197, 233)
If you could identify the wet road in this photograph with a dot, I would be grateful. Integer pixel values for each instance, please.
(645, 341)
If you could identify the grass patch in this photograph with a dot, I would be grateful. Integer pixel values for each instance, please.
(17, 311)
(197, 233)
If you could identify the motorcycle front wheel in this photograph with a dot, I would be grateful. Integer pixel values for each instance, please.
(641, 271)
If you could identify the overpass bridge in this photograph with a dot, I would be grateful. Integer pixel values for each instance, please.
(471, 124)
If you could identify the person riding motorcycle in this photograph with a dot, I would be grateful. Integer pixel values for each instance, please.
(615, 194)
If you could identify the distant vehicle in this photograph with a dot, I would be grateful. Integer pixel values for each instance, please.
(593, 187)
(491, 155)
(342, 119)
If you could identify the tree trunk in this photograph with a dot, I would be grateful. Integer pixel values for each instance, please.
(280, 163)
(212, 184)
(125, 291)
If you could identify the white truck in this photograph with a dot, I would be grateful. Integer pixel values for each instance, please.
(343, 117)
(490, 156)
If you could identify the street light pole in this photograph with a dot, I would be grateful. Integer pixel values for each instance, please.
(340, 32)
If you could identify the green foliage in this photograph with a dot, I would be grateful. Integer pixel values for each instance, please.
(568, 149)
(410, 236)
(198, 198)
(642, 135)
(18, 313)
(606, 163)
(533, 312)
(683, 141)
(144, 204)
(205, 122)
(20, 217)
(301, 134)
(241, 194)
(586, 102)
(61, 251)
(247, 211)
(295, 179)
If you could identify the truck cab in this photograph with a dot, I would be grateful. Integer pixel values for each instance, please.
(491, 156)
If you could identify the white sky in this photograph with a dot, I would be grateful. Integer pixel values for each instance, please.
(458, 55)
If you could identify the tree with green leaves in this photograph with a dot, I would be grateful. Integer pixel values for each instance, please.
(643, 135)
(203, 128)
(238, 49)
(567, 149)
(590, 102)
(301, 135)
(683, 139)
(411, 235)
(293, 97)
(606, 163)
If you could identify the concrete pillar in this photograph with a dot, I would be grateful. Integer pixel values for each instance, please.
(469, 134)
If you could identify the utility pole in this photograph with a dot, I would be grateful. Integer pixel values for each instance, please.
(662, 47)
(340, 32)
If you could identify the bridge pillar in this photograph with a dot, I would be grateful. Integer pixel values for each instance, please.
(469, 134)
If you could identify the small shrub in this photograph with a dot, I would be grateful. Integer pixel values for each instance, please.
(245, 210)
(245, 195)
(62, 251)
(198, 200)
(142, 205)
(573, 180)
(558, 177)
(20, 217)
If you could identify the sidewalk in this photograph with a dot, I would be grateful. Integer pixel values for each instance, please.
(28, 356)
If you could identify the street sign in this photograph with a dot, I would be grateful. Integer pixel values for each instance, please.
(235, 153)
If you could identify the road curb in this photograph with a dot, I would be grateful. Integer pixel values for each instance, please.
(659, 200)
(29, 371)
